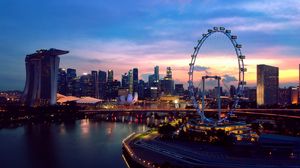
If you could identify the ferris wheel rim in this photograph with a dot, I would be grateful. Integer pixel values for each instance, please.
(241, 67)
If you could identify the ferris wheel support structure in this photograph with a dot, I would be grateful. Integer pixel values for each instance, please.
(241, 77)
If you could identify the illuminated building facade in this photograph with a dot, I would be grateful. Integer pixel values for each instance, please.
(169, 73)
(62, 81)
(112, 89)
(71, 75)
(294, 96)
(284, 96)
(41, 77)
(267, 85)
(86, 85)
(167, 84)
(110, 76)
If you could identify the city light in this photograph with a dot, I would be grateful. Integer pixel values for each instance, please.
(150, 84)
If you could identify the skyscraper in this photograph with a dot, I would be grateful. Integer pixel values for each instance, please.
(151, 80)
(41, 77)
(95, 84)
(250, 93)
(112, 89)
(110, 76)
(267, 85)
(76, 88)
(71, 75)
(141, 89)
(135, 80)
(102, 84)
(179, 90)
(285, 96)
(62, 81)
(125, 81)
(167, 84)
(130, 82)
(232, 91)
(294, 95)
(169, 73)
(156, 74)
(86, 85)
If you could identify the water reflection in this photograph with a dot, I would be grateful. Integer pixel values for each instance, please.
(85, 127)
(40, 146)
(82, 143)
(62, 129)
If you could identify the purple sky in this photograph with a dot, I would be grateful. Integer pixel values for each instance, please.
(121, 35)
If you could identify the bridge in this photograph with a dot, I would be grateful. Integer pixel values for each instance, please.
(282, 113)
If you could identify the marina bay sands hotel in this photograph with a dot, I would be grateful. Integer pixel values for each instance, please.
(41, 77)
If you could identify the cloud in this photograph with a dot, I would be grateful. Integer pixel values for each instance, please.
(228, 20)
(201, 68)
(228, 78)
(83, 59)
(277, 8)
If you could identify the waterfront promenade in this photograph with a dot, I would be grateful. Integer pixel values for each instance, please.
(149, 151)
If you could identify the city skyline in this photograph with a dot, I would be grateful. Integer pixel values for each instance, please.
(150, 33)
(161, 83)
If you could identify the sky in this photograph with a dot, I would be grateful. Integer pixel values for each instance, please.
(123, 34)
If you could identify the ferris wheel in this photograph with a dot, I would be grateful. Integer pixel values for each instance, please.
(241, 77)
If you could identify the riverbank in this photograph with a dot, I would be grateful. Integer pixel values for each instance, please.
(148, 150)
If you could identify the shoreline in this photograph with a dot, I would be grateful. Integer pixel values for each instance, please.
(187, 155)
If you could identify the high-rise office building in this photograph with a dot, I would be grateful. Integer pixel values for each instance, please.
(135, 80)
(179, 90)
(125, 80)
(151, 80)
(76, 87)
(156, 74)
(110, 76)
(294, 96)
(169, 73)
(62, 81)
(86, 85)
(102, 84)
(250, 93)
(141, 89)
(112, 89)
(130, 82)
(71, 75)
(232, 91)
(267, 85)
(41, 77)
(285, 96)
(167, 84)
(95, 84)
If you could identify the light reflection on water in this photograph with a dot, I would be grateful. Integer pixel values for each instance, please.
(82, 143)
